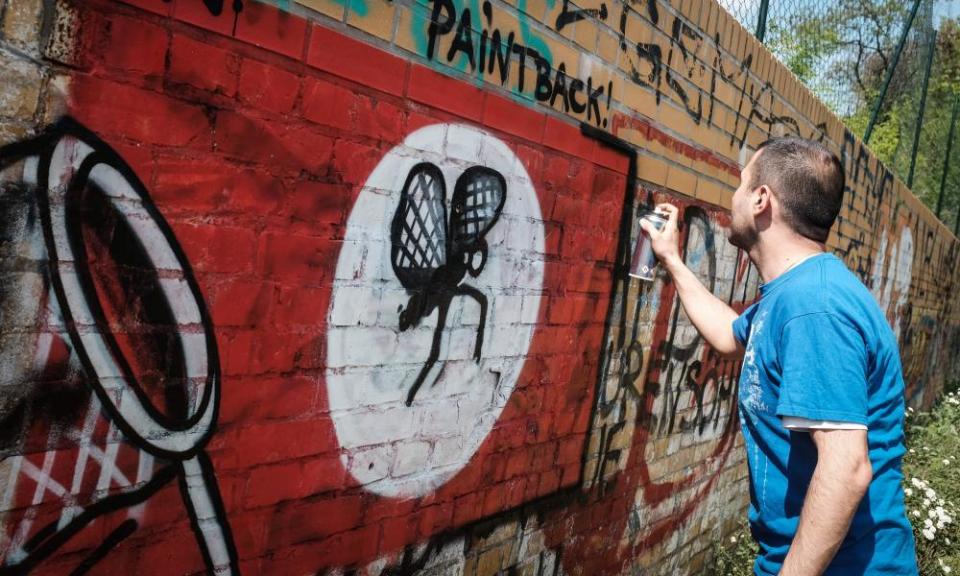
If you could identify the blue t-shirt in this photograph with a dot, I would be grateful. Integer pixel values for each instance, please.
(818, 347)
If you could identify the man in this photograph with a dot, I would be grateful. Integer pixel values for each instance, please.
(821, 391)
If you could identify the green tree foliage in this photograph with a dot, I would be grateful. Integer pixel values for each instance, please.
(944, 86)
(838, 48)
(842, 50)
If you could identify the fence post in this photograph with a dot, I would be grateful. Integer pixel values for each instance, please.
(762, 20)
(893, 66)
(923, 108)
(946, 159)
(956, 223)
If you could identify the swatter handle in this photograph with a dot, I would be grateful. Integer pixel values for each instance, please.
(199, 487)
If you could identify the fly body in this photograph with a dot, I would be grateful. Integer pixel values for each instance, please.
(431, 258)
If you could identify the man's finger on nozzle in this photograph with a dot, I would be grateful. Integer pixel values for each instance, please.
(669, 209)
(671, 213)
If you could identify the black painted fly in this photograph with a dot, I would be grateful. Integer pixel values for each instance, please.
(430, 259)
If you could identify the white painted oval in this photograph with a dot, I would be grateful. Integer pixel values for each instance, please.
(390, 448)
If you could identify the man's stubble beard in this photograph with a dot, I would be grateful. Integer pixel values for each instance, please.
(745, 238)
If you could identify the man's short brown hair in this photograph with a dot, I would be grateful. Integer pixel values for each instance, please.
(807, 179)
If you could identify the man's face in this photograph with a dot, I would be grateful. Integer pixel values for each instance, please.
(743, 231)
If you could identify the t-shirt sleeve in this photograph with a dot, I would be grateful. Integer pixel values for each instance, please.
(797, 423)
(741, 328)
(824, 367)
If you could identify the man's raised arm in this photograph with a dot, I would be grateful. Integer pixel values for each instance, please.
(712, 317)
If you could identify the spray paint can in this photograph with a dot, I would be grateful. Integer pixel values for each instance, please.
(644, 261)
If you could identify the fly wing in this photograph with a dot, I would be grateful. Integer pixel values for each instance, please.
(418, 233)
(478, 199)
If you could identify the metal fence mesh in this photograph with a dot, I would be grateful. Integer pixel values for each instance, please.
(843, 50)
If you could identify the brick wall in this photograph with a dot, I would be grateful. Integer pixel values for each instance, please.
(337, 287)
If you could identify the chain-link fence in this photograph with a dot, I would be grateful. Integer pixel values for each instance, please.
(937, 168)
(889, 68)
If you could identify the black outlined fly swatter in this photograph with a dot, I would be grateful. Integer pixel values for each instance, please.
(431, 259)
(89, 197)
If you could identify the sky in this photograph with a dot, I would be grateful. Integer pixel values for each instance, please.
(945, 9)
(742, 8)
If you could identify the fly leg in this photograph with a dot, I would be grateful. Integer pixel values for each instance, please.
(434, 352)
(465, 290)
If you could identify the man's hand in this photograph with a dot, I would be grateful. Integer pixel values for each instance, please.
(840, 480)
(711, 315)
(666, 241)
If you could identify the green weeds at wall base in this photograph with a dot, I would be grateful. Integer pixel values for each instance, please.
(931, 470)
(734, 556)
(932, 485)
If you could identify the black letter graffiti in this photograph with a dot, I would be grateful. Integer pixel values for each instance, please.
(500, 56)
(520, 51)
(593, 101)
(463, 39)
(560, 88)
(568, 16)
(681, 30)
(577, 86)
(438, 28)
(653, 55)
(496, 52)
(542, 89)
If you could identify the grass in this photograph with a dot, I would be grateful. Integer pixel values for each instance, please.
(931, 468)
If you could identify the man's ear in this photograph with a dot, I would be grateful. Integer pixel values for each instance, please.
(762, 200)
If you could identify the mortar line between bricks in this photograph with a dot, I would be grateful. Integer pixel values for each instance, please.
(307, 41)
(406, 80)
